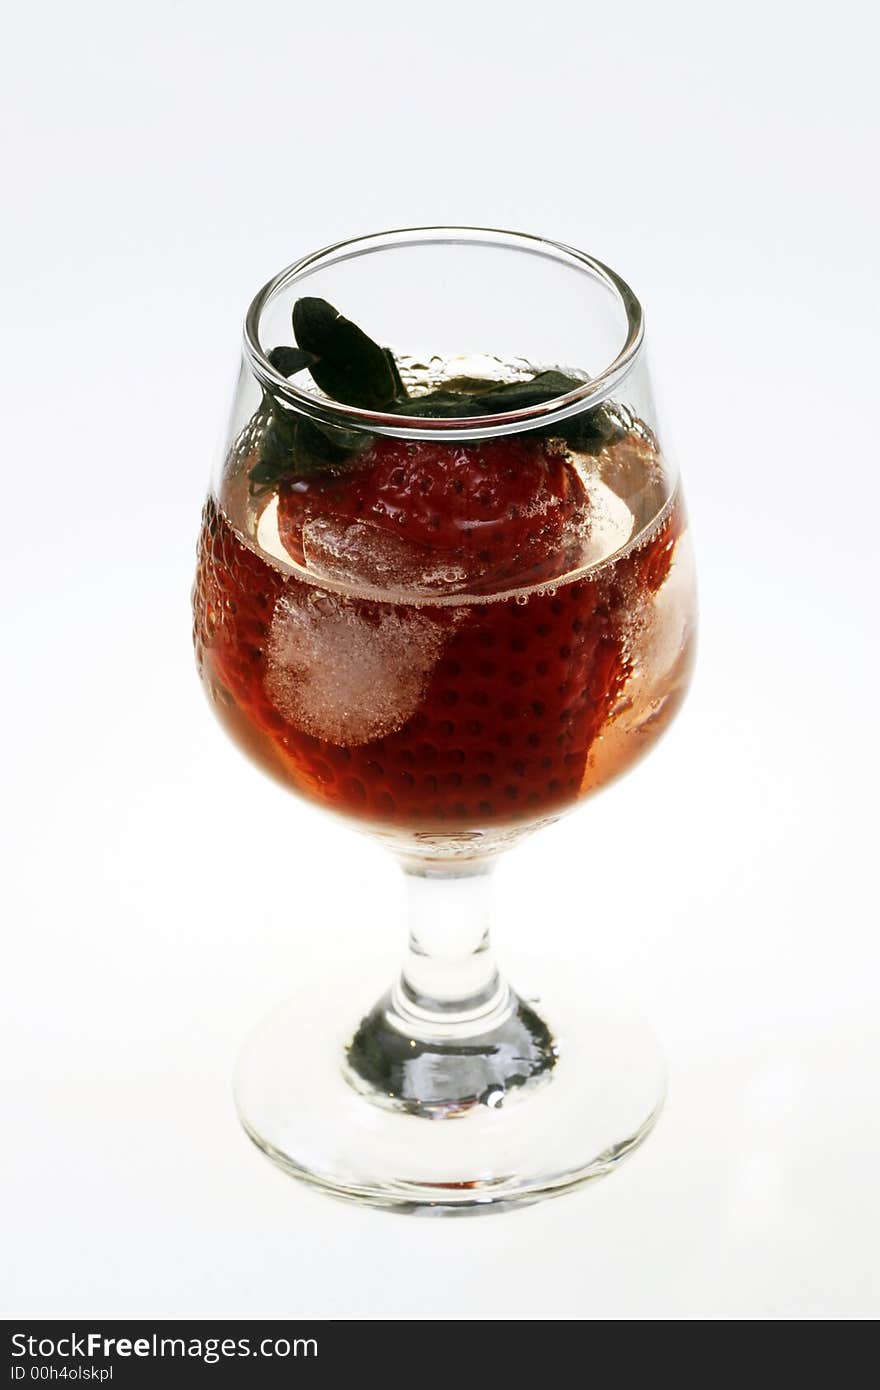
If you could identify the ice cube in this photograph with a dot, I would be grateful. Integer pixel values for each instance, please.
(346, 670)
(359, 552)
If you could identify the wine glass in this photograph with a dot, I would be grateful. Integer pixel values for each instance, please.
(445, 590)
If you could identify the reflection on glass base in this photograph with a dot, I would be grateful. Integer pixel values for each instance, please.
(589, 1090)
(434, 1073)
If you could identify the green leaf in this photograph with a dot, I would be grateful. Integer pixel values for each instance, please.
(592, 430)
(324, 448)
(277, 441)
(440, 405)
(588, 432)
(519, 395)
(290, 360)
(400, 391)
(350, 368)
(292, 446)
(497, 397)
(348, 365)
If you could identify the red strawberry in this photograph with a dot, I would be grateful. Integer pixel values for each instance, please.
(506, 725)
(497, 512)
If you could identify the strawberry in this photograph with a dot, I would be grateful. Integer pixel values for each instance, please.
(505, 727)
(484, 515)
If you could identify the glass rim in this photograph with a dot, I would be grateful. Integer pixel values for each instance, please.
(590, 394)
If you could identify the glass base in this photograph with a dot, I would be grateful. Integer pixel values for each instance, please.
(526, 1123)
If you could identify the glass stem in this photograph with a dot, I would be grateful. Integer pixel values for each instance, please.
(450, 1035)
(449, 975)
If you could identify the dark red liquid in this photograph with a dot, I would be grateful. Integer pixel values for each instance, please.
(508, 725)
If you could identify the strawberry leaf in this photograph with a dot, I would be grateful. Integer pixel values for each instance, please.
(439, 405)
(347, 365)
(290, 360)
(519, 395)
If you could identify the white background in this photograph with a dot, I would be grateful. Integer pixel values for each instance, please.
(160, 163)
